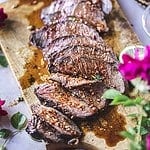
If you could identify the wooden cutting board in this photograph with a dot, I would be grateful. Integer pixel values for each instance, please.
(29, 68)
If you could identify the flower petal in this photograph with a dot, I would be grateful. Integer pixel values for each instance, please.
(147, 51)
(130, 70)
(3, 112)
(148, 142)
(3, 16)
(126, 58)
(136, 66)
(2, 102)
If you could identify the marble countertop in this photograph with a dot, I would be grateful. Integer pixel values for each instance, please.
(10, 91)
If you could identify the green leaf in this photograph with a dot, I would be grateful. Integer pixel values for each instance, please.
(133, 102)
(3, 61)
(126, 101)
(135, 146)
(111, 94)
(5, 133)
(19, 121)
(132, 131)
(119, 99)
(97, 77)
(145, 122)
(138, 100)
(146, 108)
(133, 115)
(143, 131)
(128, 135)
(2, 147)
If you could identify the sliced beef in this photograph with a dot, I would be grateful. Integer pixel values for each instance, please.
(90, 91)
(53, 95)
(92, 94)
(57, 120)
(87, 63)
(91, 14)
(70, 82)
(52, 125)
(71, 26)
(64, 42)
(86, 10)
(41, 130)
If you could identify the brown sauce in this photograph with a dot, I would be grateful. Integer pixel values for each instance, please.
(81, 146)
(34, 18)
(107, 125)
(35, 69)
(35, 66)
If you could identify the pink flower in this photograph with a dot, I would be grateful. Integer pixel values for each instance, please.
(2, 112)
(148, 142)
(132, 68)
(3, 16)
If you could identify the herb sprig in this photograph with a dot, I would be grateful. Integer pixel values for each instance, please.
(19, 122)
(3, 61)
(137, 134)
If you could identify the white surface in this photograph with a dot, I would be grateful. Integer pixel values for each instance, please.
(134, 12)
(10, 91)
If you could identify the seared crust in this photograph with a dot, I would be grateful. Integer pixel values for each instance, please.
(53, 95)
(40, 129)
(71, 82)
(86, 10)
(87, 63)
(62, 43)
(43, 37)
(43, 125)
(92, 14)
(92, 94)
(57, 120)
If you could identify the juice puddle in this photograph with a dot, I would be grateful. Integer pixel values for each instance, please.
(81, 146)
(107, 125)
(35, 67)
(34, 17)
(35, 70)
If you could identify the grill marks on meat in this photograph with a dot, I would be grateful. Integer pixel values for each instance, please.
(40, 129)
(70, 82)
(91, 14)
(86, 10)
(53, 95)
(92, 94)
(86, 62)
(52, 125)
(71, 26)
(58, 45)
(57, 120)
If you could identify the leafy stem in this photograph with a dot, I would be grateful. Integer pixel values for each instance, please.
(18, 121)
(3, 61)
(10, 137)
(142, 127)
(138, 137)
